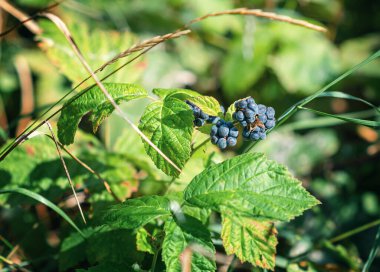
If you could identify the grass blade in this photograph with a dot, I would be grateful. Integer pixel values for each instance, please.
(308, 99)
(373, 252)
(348, 96)
(44, 201)
(367, 123)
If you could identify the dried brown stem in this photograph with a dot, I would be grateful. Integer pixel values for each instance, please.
(66, 170)
(21, 16)
(260, 13)
(145, 44)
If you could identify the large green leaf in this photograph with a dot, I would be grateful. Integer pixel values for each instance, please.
(188, 234)
(251, 185)
(137, 212)
(169, 125)
(250, 239)
(208, 104)
(97, 46)
(96, 102)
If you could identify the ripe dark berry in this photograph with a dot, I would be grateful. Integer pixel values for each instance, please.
(231, 141)
(234, 132)
(222, 143)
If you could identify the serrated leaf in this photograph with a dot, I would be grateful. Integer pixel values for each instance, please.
(252, 186)
(249, 239)
(137, 212)
(187, 235)
(96, 102)
(208, 104)
(169, 125)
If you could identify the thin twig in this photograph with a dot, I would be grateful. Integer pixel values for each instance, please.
(66, 170)
(21, 16)
(28, 19)
(88, 168)
(61, 25)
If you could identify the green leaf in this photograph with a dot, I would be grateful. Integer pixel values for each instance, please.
(96, 102)
(187, 238)
(251, 185)
(113, 246)
(367, 123)
(97, 46)
(208, 104)
(143, 241)
(73, 250)
(169, 125)
(46, 202)
(249, 239)
(137, 212)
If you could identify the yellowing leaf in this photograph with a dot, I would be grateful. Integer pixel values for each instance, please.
(249, 239)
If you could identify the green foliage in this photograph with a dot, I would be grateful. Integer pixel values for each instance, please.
(185, 238)
(169, 125)
(250, 239)
(135, 213)
(96, 102)
(97, 47)
(221, 202)
(250, 185)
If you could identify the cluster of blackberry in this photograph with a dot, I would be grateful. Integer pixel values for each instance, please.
(256, 119)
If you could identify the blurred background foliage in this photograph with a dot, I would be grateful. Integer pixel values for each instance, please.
(228, 57)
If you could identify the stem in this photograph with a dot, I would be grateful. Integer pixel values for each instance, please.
(154, 262)
(355, 231)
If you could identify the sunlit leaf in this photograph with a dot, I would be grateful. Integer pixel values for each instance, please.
(137, 212)
(251, 185)
(95, 102)
(250, 239)
(169, 125)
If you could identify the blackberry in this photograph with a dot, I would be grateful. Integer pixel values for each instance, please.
(256, 119)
